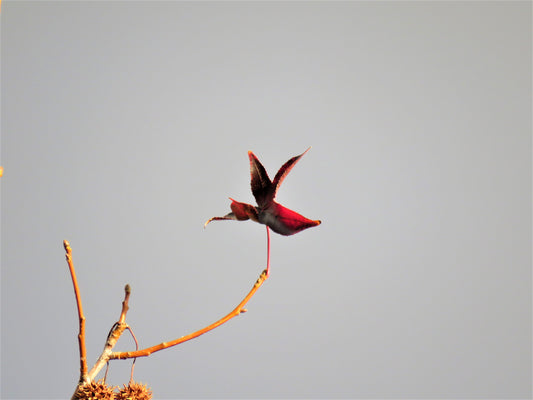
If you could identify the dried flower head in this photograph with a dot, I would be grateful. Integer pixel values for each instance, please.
(134, 391)
(95, 391)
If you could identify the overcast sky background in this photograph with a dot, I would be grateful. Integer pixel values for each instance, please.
(126, 125)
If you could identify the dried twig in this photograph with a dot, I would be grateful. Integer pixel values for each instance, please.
(136, 348)
(118, 328)
(236, 311)
(81, 334)
(125, 306)
(114, 334)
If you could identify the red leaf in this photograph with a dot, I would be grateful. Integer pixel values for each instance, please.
(260, 182)
(285, 221)
(279, 218)
(283, 171)
(243, 211)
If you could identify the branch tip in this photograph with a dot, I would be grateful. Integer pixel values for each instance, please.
(127, 289)
(262, 277)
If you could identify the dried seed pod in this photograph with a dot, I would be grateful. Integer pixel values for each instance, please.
(134, 391)
(95, 391)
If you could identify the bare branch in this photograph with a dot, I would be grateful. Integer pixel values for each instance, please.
(236, 311)
(118, 328)
(114, 334)
(81, 334)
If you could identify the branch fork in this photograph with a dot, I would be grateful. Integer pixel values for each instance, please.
(120, 326)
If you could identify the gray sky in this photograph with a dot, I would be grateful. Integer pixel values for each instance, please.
(126, 125)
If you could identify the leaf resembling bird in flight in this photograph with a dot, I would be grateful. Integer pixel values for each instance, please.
(268, 212)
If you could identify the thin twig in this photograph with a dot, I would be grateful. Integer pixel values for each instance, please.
(236, 311)
(106, 371)
(125, 306)
(81, 334)
(113, 336)
(119, 327)
(136, 348)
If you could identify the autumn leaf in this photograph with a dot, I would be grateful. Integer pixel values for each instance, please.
(268, 212)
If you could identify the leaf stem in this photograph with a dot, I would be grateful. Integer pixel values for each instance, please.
(268, 252)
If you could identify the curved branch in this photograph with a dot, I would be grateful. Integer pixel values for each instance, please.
(236, 311)
(121, 325)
